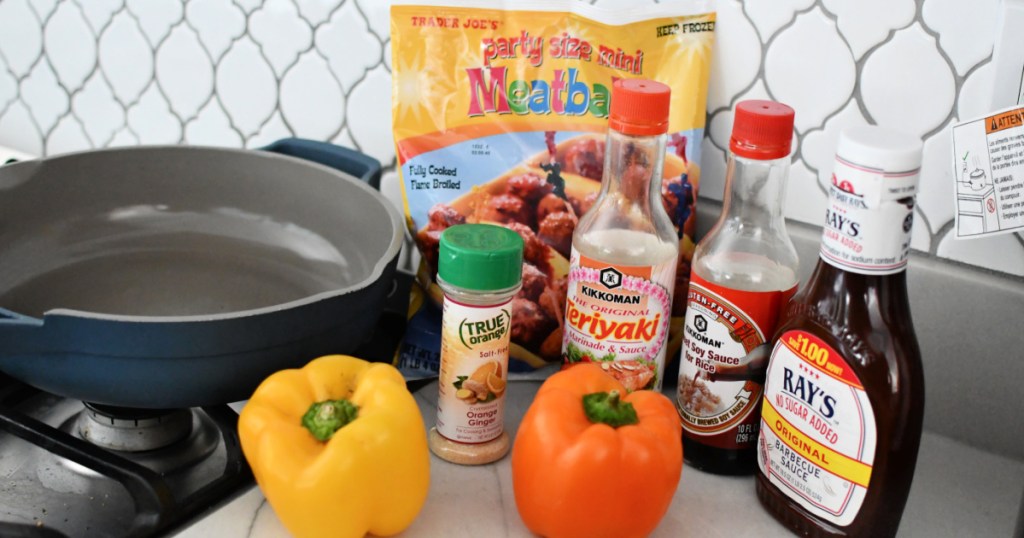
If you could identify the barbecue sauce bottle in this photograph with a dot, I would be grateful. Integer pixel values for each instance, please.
(744, 272)
(844, 395)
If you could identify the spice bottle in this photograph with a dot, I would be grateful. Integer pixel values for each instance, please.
(744, 272)
(624, 249)
(844, 396)
(479, 270)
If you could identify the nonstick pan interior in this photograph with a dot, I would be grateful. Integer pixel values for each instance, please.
(176, 232)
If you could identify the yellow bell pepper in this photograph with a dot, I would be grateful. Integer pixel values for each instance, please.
(338, 448)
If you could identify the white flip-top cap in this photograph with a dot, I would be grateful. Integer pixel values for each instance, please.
(879, 148)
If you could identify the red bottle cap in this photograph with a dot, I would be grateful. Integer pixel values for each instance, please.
(639, 107)
(762, 130)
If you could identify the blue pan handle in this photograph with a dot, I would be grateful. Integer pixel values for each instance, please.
(365, 168)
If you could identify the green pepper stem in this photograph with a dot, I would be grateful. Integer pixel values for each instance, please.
(608, 408)
(325, 418)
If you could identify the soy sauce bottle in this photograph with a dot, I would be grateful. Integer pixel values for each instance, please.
(744, 271)
(844, 395)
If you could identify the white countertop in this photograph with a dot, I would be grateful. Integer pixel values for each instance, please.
(958, 491)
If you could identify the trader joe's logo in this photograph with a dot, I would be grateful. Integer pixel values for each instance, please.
(472, 332)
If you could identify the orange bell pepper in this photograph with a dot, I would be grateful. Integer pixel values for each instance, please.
(590, 460)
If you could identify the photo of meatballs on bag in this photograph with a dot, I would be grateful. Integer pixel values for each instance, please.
(542, 200)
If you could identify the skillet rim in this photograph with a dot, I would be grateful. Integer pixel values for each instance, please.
(397, 238)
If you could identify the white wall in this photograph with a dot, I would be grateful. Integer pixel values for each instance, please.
(94, 73)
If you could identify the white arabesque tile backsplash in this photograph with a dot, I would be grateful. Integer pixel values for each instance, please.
(79, 74)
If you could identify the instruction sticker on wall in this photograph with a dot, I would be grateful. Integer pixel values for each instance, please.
(988, 167)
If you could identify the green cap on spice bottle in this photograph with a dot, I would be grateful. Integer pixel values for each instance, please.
(480, 257)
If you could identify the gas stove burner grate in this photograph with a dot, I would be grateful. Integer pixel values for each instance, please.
(156, 507)
(133, 430)
(164, 441)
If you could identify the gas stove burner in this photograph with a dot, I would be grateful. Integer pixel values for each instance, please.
(133, 430)
(163, 440)
(56, 480)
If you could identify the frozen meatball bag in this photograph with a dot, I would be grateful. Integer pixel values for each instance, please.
(500, 117)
